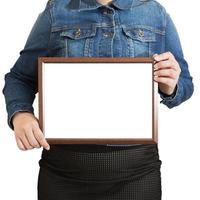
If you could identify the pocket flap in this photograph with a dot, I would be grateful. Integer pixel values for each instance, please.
(141, 34)
(79, 32)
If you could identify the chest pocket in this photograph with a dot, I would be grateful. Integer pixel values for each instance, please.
(79, 42)
(139, 41)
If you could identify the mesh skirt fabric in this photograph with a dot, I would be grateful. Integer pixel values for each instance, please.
(98, 172)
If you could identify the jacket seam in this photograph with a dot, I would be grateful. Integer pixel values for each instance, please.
(165, 27)
(49, 15)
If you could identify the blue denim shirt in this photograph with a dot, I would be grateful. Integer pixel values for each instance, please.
(85, 28)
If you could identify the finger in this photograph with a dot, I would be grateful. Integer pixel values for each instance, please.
(164, 80)
(26, 142)
(170, 73)
(163, 56)
(20, 144)
(31, 138)
(164, 64)
(40, 138)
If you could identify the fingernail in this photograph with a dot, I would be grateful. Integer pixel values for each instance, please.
(47, 148)
(155, 56)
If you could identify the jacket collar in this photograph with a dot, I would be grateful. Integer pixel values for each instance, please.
(93, 4)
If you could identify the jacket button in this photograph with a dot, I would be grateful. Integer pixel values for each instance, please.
(108, 34)
(105, 12)
(78, 33)
(141, 33)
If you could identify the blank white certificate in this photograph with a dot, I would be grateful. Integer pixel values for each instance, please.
(97, 100)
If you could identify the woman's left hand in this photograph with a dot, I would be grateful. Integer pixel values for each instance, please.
(166, 72)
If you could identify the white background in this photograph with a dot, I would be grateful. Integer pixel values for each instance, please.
(81, 87)
(179, 127)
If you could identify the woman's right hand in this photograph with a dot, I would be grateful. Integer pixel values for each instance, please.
(27, 132)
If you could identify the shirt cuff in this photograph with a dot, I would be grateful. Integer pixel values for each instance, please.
(171, 100)
(18, 108)
(167, 97)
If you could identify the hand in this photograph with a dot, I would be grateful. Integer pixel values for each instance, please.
(27, 132)
(167, 72)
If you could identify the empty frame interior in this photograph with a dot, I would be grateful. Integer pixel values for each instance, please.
(107, 101)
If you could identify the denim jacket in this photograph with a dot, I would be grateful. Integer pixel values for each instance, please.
(85, 28)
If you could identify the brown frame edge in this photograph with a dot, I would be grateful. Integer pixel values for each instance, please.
(154, 139)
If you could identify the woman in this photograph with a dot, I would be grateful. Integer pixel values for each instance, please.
(103, 28)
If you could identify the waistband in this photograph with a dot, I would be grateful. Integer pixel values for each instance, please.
(99, 163)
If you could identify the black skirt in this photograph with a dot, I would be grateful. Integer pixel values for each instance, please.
(100, 172)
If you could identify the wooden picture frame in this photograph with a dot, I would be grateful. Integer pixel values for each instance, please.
(97, 100)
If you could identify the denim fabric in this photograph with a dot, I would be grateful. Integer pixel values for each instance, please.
(85, 28)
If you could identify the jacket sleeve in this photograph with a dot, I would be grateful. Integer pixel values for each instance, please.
(21, 81)
(184, 88)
